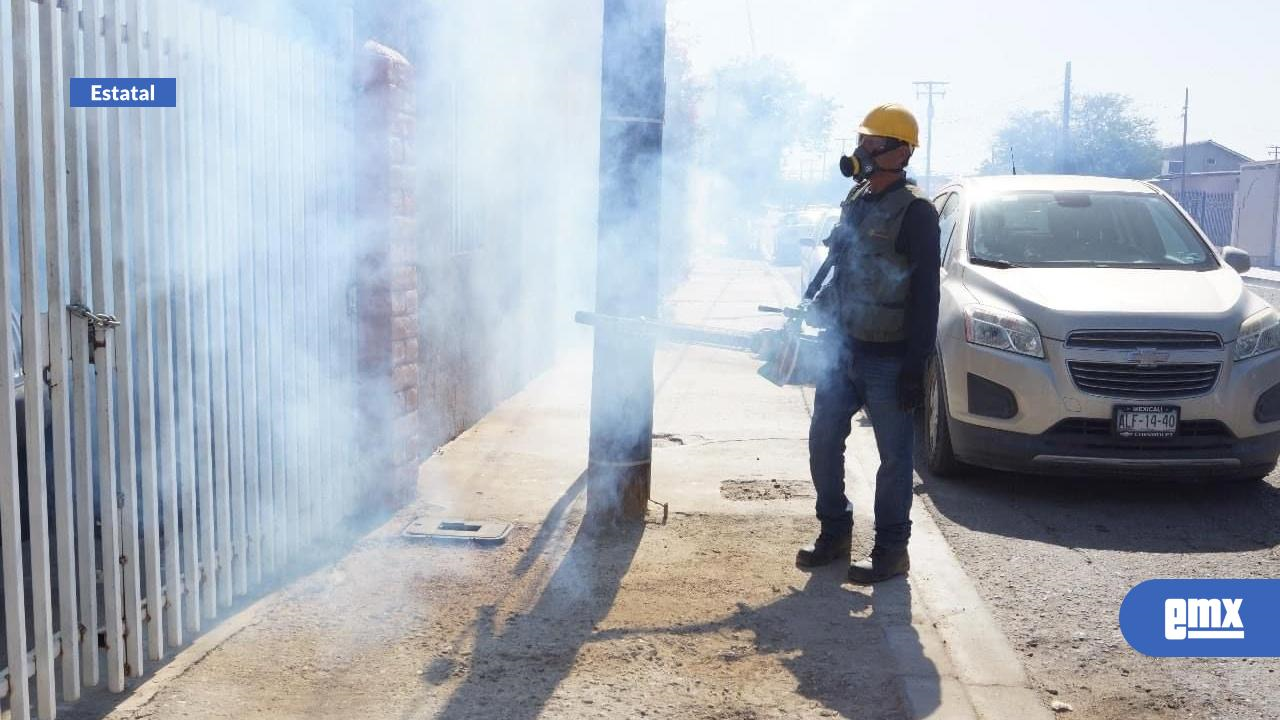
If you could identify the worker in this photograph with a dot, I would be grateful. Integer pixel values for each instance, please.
(879, 305)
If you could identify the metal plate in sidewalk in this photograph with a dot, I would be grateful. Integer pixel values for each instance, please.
(445, 528)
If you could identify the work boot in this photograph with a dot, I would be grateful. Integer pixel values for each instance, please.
(828, 547)
(882, 565)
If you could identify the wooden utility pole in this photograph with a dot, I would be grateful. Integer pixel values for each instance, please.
(930, 89)
(1064, 160)
(632, 104)
(1186, 104)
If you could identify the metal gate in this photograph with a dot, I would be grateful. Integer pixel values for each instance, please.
(177, 283)
(1212, 212)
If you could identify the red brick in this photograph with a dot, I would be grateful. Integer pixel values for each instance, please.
(408, 400)
(403, 327)
(404, 352)
(404, 234)
(404, 277)
(404, 303)
(409, 301)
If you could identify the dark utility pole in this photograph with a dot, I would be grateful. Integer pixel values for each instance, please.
(929, 88)
(1186, 104)
(632, 104)
(1064, 163)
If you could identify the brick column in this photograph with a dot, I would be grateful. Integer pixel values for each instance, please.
(388, 280)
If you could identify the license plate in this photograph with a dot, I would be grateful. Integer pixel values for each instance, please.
(1146, 420)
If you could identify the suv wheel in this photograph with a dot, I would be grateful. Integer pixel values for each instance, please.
(938, 454)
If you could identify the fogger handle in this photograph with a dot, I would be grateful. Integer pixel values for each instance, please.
(787, 312)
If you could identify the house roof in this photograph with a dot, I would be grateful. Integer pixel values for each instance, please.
(1220, 146)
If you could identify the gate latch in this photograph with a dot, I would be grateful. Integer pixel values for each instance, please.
(96, 321)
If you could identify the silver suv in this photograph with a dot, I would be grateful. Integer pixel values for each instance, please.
(1087, 326)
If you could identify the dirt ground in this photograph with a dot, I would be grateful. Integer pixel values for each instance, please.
(560, 623)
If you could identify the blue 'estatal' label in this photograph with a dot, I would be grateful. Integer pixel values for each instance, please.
(124, 92)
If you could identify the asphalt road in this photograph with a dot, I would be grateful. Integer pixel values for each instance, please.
(1270, 294)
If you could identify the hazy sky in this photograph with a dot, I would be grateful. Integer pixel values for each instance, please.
(1001, 55)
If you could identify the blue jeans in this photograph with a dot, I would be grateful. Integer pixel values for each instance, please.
(847, 385)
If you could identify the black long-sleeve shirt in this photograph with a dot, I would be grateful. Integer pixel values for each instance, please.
(919, 241)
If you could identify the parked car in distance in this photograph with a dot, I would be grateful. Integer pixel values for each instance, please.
(812, 251)
(797, 231)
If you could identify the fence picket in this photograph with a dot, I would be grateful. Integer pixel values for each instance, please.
(235, 578)
(29, 163)
(249, 570)
(165, 136)
(103, 227)
(124, 225)
(275, 245)
(63, 153)
(216, 254)
(185, 330)
(10, 512)
(264, 230)
(136, 285)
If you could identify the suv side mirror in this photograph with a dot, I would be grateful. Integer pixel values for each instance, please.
(1237, 259)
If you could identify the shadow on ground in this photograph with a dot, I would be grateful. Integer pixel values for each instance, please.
(578, 595)
(824, 657)
(1126, 514)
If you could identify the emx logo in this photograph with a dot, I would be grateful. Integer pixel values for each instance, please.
(1203, 618)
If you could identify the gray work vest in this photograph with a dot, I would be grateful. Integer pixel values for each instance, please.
(872, 278)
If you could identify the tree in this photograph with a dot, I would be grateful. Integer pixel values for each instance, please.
(756, 110)
(679, 146)
(1108, 138)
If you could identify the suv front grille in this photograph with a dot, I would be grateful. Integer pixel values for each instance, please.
(1161, 339)
(1134, 381)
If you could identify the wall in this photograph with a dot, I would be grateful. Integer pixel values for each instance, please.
(1256, 212)
(1205, 157)
(509, 97)
(387, 288)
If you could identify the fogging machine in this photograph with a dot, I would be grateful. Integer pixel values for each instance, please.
(790, 354)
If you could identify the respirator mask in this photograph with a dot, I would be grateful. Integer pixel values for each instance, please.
(862, 162)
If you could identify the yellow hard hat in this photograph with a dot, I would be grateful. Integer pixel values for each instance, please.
(893, 121)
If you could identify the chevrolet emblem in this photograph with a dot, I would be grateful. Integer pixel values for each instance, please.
(1148, 357)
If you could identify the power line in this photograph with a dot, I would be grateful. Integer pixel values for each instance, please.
(930, 89)
(1274, 151)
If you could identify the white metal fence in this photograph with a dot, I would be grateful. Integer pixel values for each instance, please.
(176, 276)
(1212, 211)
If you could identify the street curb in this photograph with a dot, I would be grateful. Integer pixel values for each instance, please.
(191, 656)
(985, 663)
(977, 674)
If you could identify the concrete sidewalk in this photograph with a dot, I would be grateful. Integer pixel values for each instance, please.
(703, 617)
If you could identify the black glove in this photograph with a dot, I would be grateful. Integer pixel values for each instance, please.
(910, 388)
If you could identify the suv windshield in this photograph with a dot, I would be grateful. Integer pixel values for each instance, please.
(1085, 229)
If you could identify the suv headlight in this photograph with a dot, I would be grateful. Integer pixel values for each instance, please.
(1002, 330)
(1259, 334)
